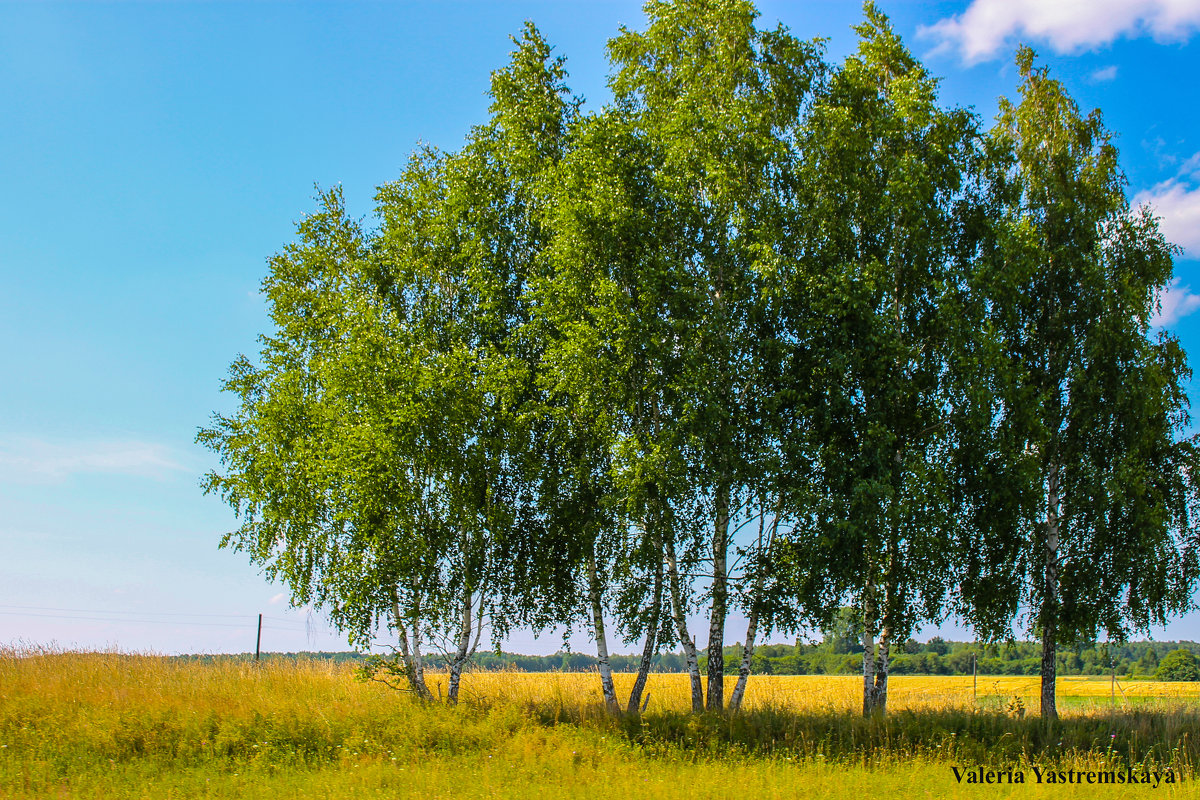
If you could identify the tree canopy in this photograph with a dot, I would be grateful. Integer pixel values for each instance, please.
(764, 332)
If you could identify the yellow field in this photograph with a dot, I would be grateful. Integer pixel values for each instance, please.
(822, 693)
(94, 725)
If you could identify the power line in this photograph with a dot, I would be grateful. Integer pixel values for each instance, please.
(249, 620)
(104, 611)
(288, 630)
(177, 619)
(109, 615)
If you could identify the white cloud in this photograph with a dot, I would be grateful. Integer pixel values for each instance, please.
(1177, 202)
(1175, 302)
(38, 460)
(1104, 75)
(1068, 26)
(277, 599)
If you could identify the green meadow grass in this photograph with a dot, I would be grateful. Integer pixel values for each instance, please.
(100, 725)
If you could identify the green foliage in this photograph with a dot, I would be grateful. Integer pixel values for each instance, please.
(707, 107)
(378, 458)
(1091, 398)
(1082, 491)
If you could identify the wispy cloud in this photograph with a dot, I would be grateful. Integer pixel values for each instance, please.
(39, 460)
(1068, 26)
(1177, 202)
(1157, 147)
(1176, 302)
(1105, 75)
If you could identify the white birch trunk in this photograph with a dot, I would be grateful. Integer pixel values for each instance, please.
(418, 662)
(891, 598)
(651, 645)
(685, 640)
(464, 651)
(606, 680)
(1049, 708)
(881, 670)
(869, 651)
(413, 668)
(739, 691)
(720, 603)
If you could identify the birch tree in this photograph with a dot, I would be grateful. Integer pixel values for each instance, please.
(713, 98)
(379, 459)
(615, 312)
(885, 253)
(334, 498)
(1089, 402)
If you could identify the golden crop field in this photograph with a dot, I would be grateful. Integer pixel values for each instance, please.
(123, 726)
(832, 693)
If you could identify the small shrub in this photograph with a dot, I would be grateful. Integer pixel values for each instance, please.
(1178, 665)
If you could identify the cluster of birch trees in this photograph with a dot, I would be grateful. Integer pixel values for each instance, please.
(764, 333)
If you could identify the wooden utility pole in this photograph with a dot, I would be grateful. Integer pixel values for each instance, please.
(258, 639)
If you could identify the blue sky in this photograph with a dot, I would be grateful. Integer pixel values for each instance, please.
(155, 154)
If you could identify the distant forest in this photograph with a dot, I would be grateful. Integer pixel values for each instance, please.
(843, 656)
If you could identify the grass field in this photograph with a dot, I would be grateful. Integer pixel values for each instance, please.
(123, 726)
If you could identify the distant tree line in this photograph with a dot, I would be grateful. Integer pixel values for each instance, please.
(837, 657)
(765, 333)
(940, 657)
(935, 657)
